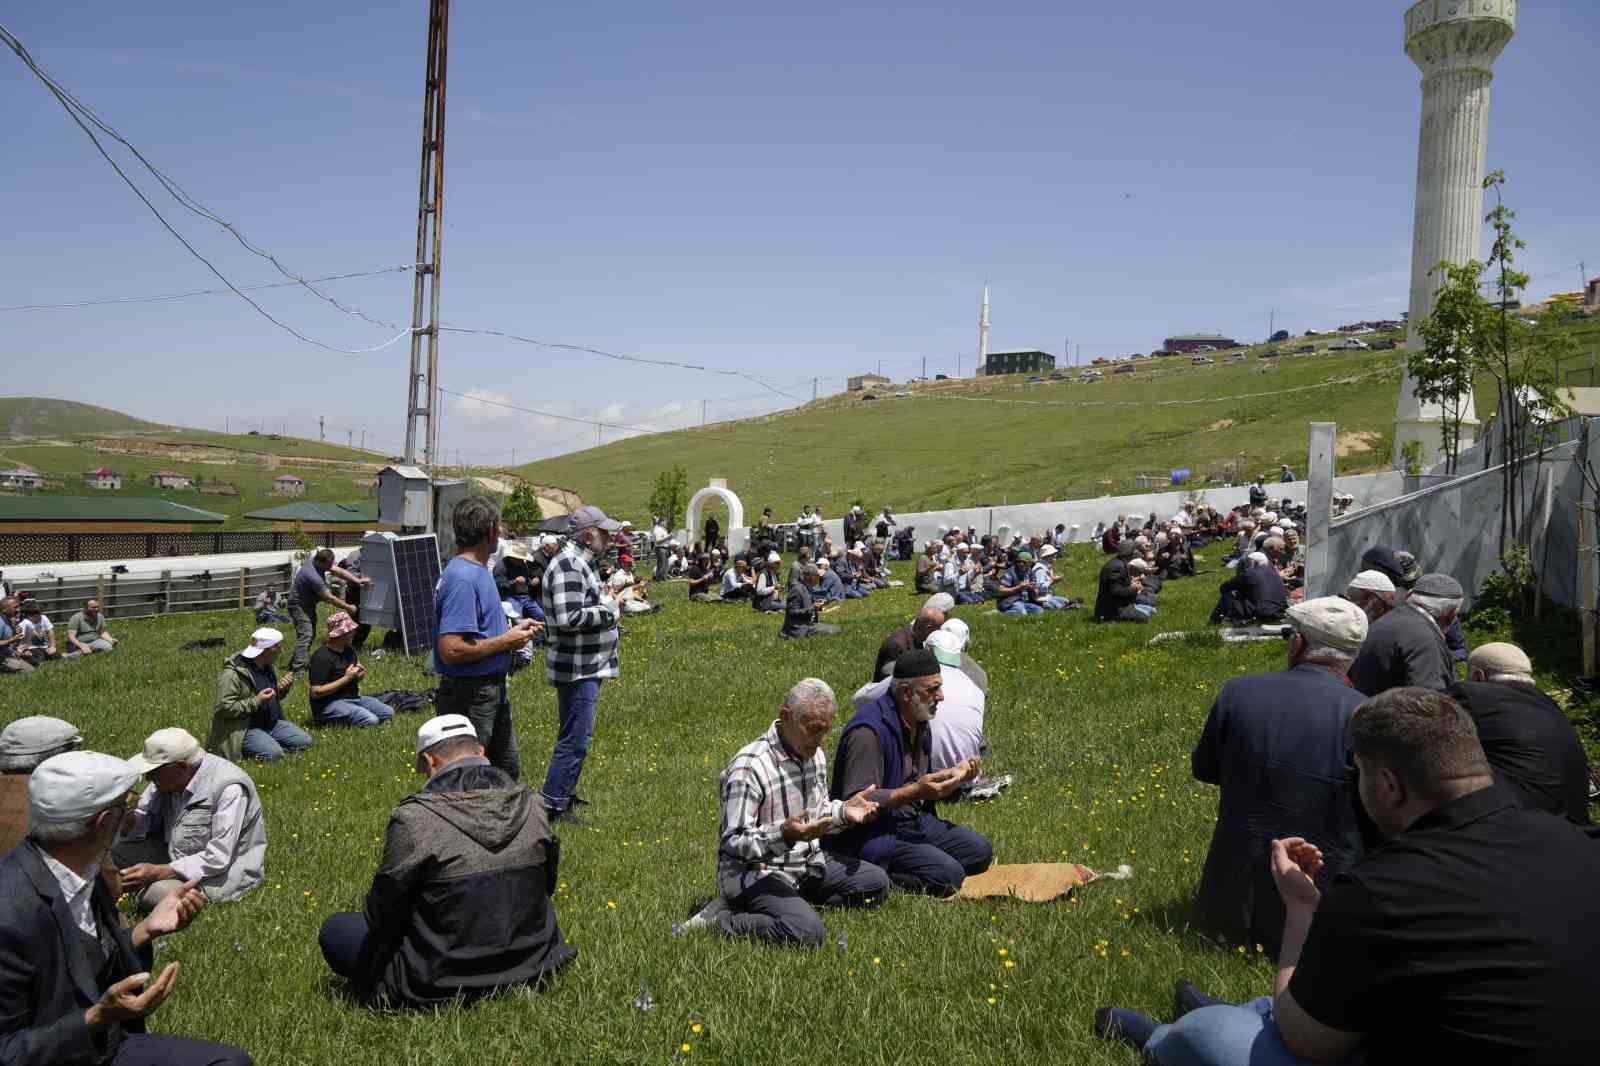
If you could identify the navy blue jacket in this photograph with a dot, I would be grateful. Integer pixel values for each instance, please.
(45, 979)
(1403, 648)
(1277, 745)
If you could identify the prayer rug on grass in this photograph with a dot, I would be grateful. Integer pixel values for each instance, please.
(1035, 882)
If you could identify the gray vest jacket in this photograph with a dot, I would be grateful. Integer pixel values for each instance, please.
(191, 831)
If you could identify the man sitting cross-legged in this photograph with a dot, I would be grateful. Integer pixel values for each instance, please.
(1470, 935)
(771, 871)
(199, 821)
(335, 681)
(887, 747)
(460, 906)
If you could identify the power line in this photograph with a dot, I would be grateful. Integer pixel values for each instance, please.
(78, 112)
(162, 297)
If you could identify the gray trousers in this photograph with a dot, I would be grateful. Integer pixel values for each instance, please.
(305, 631)
(776, 910)
(130, 852)
(662, 554)
(9, 665)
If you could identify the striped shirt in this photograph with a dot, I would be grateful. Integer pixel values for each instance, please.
(582, 628)
(763, 786)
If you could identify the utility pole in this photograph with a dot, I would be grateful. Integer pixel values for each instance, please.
(924, 368)
(352, 437)
(1272, 323)
(597, 428)
(322, 427)
(1079, 360)
(702, 412)
(813, 390)
(363, 440)
(880, 368)
(430, 221)
(1583, 280)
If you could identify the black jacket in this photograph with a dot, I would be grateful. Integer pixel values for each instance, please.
(1259, 591)
(46, 981)
(799, 611)
(1277, 746)
(1535, 752)
(461, 905)
(1116, 590)
(1403, 648)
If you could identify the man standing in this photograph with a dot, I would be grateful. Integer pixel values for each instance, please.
(886, 749)
(771, 871)
(1277, 746)
(582, 650)
(1258, 492)
(806, 527)
(86, 630)
(335, 677)
(309, 589)
(658, 540)
(1406, 647)
(1526, 736)
(472, 643)
(75, 986)
(198, 822)
(247, 720)
(713, 530)
(460, 905)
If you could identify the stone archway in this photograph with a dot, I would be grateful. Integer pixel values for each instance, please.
(736, 532)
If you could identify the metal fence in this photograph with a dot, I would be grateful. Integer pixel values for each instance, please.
(22, 549)
(147, 595)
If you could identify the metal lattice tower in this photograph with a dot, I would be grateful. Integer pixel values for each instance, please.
(430, 222)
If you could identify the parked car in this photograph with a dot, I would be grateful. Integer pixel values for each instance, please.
(941, 377)
(1347, 344)
(1236, 357)
(1090, 375)
(1206, 348)
(1280, 336)
(1270, 353)
(1384, 346)
(1305, 349)
(902, 394)
(869, 396)
(1203, 360)
(1035, 379)
(1058, 376)
(1125, 368)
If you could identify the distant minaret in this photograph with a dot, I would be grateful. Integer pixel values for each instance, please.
(983, 332)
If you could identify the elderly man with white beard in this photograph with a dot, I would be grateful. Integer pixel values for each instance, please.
(887, 749)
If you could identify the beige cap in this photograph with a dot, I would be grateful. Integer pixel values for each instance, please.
(1332, 621)
(1500, 658)
(76, 785)
(165, 747)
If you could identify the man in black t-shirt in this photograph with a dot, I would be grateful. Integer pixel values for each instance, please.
(1471, 934)
(335, 677)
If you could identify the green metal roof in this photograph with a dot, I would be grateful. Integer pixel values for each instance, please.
(364, 513)
(49, 508)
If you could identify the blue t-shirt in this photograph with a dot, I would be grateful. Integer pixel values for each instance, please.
(308, 586)
(468, 603)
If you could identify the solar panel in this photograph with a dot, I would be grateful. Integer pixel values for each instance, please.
(404, 573)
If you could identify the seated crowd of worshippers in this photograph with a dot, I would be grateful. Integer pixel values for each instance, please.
(1018, 575)
(1415, 851)
(28, 638)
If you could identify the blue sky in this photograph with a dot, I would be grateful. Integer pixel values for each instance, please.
(789, 194)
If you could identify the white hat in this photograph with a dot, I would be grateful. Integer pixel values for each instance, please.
(77, 784)
(1138, 564)
(774, 557)
(963, 547)
(942, 602)
(36, 734)
(262, 639)
(858, 546)
(1047, 551)
(444, 727)
(1259, 558)
(960, 630)
(946, 647)
(550, 540)
(165, 747)
(1275, 531)
(625, 524)
(1269, 517)
(1330, 620)
(1371, 581)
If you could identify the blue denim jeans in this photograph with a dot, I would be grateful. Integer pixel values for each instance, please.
(1225, 1036)
(361, 711)
(576, 701)
(271, 745)
(1022, 607)
(933, 856)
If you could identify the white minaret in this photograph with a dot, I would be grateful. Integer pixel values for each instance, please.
(983, 332)
(1455, 43)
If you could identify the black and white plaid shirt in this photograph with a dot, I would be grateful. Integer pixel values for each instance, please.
(763, 786)
(582, 628)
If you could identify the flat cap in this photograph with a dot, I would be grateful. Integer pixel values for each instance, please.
(37, 733)
(1331, 621)
(77, 784)
(1442, 585)
(1500, 658)
(1371, 581)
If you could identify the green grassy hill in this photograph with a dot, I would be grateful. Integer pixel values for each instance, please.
(987, 441)
(36, 416)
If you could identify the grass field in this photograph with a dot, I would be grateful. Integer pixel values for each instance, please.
(1095, 725)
